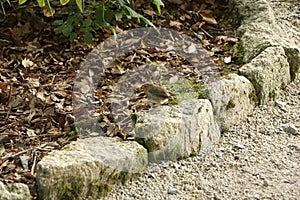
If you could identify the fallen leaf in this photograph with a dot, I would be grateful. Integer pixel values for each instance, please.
(3, 85)
(231, 39)
(175, 24)
(205, 43)
(27, 63)
(220, 39)
(46, 13)
(30, 133)
(208, 18)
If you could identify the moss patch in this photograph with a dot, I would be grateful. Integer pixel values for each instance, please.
(71, 188)
(99, 189)
(149, 144)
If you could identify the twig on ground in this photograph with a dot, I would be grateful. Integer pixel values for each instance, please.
(205, 32)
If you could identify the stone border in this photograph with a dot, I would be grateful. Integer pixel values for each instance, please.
(78, 172)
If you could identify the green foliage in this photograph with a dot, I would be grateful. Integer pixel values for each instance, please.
(158, 4)
(96, 16)
(83, 18)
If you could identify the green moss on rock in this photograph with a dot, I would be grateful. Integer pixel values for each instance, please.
(99, 189)
(71, 188)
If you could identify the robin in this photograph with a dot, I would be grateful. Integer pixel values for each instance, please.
(156, 93)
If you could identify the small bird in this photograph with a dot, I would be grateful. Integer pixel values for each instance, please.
(156, 94)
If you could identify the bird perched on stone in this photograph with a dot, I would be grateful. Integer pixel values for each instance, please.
(156, 94)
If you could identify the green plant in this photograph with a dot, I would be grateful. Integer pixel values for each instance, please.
(97, 15)
(79, 17)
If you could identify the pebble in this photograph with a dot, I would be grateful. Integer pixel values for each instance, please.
(239, 146)
(24, 162)
(291, 129)
(173, 191)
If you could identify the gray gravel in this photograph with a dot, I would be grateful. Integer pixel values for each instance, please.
(287, 14)
(257, 159)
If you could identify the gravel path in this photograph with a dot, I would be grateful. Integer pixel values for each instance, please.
(257, 159)
(287, 13)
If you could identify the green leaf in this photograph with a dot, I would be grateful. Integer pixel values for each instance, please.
(109, 15)
(148, 22)
(87, 23)
(73, 36)
(119, 15)
(64, 2)
(77, 18)
(88, 37)
(2, 8)
(103, 17)
(41, 3)
(131, 12)
(22, 1)
(59, 29)
(99, 15)
(8, 2)
(67, 30)
(158, 4)
(58, 22)
(48, 6)
(120, 2)
(113, 32)
(80, 5)
(70, 20)
(131, 3)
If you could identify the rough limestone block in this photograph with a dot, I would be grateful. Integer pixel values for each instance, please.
(258, 30)
(88, 168)
(248, 11)
(256, 37)
(269, 73)
(14, 191)
(232, 98)
(173, 132)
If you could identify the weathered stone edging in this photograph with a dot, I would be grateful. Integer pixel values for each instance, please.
(15, 191)
(89, 167)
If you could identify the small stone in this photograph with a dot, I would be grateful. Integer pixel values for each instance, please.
(152, 175)
(219, 155)
(173, 191)
(281, 105)
(189, 188)
(176, 166)
(265, 183)
(239, 146)
(24, 162)
(291, 129)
